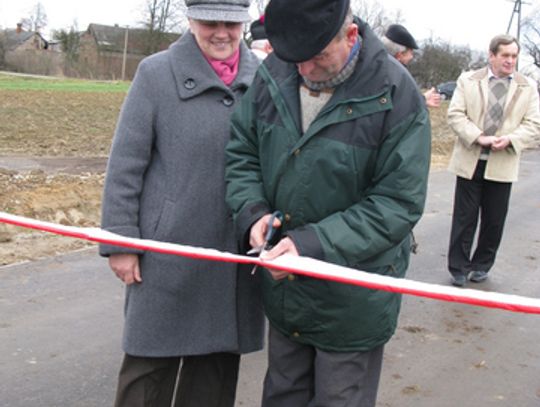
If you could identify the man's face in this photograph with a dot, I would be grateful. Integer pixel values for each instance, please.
(405, 57)
(503, 63)
(329, 62)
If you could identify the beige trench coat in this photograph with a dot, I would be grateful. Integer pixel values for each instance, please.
(521, 122)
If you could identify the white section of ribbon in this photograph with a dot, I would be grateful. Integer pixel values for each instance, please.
(297, 265)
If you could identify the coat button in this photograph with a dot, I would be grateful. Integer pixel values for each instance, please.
(189, 83)
(297, 152)
(349, 110)
(383, 101)
(296, 334)
(287, 217)
(228, 101)
(291, 277)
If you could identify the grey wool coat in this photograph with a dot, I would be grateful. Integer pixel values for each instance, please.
(165, 181)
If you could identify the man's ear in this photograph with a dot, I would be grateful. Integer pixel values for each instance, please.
(352, 34)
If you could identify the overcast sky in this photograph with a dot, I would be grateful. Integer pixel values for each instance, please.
(461, 22)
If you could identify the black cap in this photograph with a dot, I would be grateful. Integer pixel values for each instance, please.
(400, 35)
(257, 30)
(300, 29)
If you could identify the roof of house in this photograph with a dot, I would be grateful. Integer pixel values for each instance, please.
(14, 38)
(112, 38)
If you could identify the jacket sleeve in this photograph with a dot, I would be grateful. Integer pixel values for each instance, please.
(458, 119)
(370, 232)
(527, 134)
(129, 158)
(245, 193)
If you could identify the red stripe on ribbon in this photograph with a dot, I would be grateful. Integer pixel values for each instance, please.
(297, 265)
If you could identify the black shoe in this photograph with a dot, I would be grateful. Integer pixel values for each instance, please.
(459, 280)
(478, 276)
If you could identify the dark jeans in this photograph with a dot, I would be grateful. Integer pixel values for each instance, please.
(205, 380)
(473, 199)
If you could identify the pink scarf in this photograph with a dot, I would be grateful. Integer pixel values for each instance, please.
(226, 69)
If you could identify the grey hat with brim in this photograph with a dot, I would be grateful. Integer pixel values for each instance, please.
(234, 11)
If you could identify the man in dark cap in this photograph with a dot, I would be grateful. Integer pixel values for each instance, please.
(401, 45)
(335, 135)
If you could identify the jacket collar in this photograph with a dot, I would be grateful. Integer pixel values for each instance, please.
(194, 75)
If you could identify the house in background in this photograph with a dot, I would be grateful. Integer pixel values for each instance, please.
(18, 40)
(103, 50)
(28, 51)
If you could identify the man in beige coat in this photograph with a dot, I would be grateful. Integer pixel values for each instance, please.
(495, 114)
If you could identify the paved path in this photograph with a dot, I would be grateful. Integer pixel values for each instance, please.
(61, 321)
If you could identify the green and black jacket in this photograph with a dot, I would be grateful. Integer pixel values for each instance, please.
(352, 187)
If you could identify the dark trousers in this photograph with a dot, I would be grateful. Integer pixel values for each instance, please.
(301, 375)
(473, 199)
(205, 380)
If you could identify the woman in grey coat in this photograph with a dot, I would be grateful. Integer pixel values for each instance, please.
(165, 181)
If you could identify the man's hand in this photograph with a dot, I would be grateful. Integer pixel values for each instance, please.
(259, 229)
(500, 143)
(433, 98)
(485, 141)
(126, 267)
(285, 246)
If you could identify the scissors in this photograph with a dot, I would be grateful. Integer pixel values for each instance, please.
(270, 233)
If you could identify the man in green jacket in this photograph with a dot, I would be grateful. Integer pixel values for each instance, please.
(335, 135)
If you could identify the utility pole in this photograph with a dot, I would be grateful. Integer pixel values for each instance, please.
(517, 10)
(125, 53)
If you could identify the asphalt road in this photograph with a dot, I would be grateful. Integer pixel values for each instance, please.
(61, 322)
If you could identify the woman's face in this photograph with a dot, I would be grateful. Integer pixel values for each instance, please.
(217, 39)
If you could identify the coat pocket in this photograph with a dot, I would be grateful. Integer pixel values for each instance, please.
(164, 222)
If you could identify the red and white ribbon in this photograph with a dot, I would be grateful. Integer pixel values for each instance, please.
(297, 265)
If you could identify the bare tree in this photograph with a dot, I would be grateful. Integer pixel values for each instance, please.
(438, 61)
(160, 17)
(376, 15)
(37, 19)
(531, 36)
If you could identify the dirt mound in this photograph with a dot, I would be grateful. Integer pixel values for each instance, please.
(66, 199)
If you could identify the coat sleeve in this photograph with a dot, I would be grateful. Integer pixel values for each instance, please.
(370, 232)
(527, 134)
(458, 119)
(245, 193)
(129, 158)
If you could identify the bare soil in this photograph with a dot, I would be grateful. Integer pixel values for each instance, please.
(53, 150)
